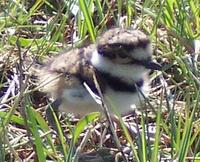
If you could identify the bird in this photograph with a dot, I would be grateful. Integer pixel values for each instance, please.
(121, 60)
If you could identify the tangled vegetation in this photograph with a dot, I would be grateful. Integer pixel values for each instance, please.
(168, 129)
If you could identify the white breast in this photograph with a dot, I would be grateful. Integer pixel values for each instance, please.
(79, 101)
(124, 102)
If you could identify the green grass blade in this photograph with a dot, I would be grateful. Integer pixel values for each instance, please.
(100, 10)
(14, 118)
(88, 18)
(33, 126)
(187, 135)
(83, 123)
(154, 156)
(43, 125)
(142, 142)
(64, 145)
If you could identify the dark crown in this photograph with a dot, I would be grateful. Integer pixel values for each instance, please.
(121, 42)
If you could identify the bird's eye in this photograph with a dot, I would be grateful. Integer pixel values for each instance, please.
(122, 54)
(118, 50)
(106, 52)
(115, 46)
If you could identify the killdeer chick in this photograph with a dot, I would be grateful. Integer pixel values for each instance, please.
(121, 60)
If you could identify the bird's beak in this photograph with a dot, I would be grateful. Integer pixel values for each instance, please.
(153, 65)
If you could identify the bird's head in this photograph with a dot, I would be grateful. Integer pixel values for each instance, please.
(124, 51)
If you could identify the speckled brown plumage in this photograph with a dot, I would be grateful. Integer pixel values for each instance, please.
(65, 70)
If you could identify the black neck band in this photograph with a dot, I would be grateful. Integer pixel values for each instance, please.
(118, 84)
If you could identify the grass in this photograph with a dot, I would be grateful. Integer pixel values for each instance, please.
(169, 127)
